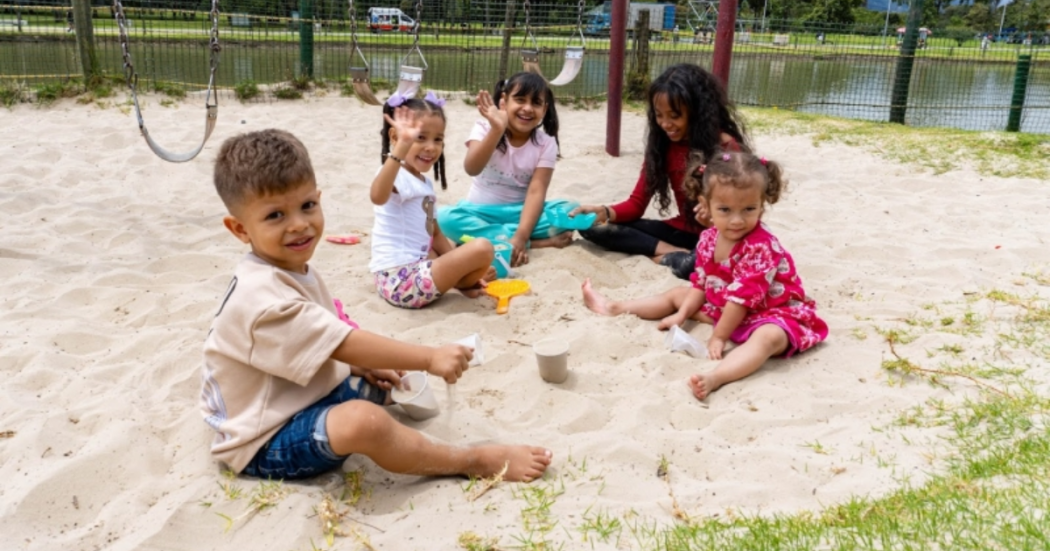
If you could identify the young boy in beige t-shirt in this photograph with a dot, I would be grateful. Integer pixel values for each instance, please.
(290, 389)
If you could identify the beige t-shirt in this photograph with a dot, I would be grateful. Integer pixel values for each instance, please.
(267, 356)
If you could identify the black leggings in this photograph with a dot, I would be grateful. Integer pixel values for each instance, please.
(639, 237)
(642, 236)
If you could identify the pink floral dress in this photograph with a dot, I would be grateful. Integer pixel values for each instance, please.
(760, 275)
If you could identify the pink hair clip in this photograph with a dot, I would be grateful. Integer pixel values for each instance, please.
(700, 169)
(763, 160)
(725, 156)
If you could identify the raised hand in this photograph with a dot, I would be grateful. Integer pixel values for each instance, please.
(406, 123)
(497, 116)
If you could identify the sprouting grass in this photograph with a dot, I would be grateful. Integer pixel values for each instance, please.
(246, 90)
(12, 93)
(938, 149)
(51, 92)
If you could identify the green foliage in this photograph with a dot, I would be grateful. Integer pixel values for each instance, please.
(12, 93)
(246, 90)
(288, 92)
(169, 89)
(51, 92)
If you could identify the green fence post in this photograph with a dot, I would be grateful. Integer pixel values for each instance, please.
(1024, 63)
(902, 79)
(306, 39)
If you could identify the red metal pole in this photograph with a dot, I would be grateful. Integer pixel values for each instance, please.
(617, 52)
(724, 40)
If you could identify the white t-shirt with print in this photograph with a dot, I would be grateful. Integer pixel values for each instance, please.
(505, 179)
(399, 233)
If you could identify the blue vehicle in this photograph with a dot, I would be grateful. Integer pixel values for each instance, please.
(661, 18)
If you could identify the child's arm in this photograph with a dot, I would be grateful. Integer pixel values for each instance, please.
(732, 315)
(479, 153)
(441, 244)
(406, 125)
(694, 299)
(535, 197)
(370, 351)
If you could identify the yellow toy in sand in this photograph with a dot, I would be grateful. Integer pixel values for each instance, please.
(505, 289)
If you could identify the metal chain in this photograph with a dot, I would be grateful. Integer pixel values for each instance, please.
(419, 22)
(528, 31)
(579, 16)
(353, 24)
(130, 76)
(214, 42)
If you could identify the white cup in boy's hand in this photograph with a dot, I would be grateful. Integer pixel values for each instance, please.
(450, 361)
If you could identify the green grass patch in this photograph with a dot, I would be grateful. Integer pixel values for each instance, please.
(1005, 154)
(246, 90)
(47, 94)
(12, 93)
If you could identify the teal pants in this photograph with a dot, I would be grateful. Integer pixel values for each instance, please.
(499, 222)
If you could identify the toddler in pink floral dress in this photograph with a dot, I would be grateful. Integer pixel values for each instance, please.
(745, 283)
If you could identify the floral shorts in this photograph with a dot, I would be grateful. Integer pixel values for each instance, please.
(408, 286)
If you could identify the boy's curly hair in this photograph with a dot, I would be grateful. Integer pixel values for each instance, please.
(260, 163)
(738, 169)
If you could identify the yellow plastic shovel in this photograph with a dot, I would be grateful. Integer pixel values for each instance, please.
(505, 289)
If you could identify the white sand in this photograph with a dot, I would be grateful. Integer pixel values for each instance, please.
(115, 261)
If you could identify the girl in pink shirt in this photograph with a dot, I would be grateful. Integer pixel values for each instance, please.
(744, 281)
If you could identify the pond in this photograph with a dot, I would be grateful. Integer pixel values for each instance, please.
(960, 94)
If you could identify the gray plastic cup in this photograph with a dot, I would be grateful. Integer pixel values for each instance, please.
(552, 357)
(416, 397)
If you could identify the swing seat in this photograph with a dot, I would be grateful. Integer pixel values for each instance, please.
(530, 59)
(410, 81)
(212, 114)
(573, 64)
(363, 86)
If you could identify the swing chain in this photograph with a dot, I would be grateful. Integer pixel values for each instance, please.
(528, 30)
(353, 24)
(419, 23)
(214, 42)
(579, 16)
(130, 76)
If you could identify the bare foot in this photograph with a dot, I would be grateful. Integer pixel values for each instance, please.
(524, 463)
(560, 241)
(472, 292)
(594, 300)
(703, 384)
(490, 274)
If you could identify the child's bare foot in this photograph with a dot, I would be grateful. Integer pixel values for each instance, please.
(490, 274)
(524, 463)
(703, 384)
(594, 300)
(560, 241)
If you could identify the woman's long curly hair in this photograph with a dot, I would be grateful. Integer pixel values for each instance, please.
(698, 94)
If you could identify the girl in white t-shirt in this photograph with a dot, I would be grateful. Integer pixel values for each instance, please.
(511, 153)
(412, 261)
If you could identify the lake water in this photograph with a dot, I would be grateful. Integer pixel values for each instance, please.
(960, 94)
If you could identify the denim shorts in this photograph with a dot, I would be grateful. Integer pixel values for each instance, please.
(300, 449)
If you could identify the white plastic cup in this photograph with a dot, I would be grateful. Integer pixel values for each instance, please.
(678, 340)
(474, 341)
(416, 397)
(552, 357)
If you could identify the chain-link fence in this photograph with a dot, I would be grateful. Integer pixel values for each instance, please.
(958, 80)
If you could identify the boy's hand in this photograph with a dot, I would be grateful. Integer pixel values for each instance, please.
(386, 379)
(496, 116)
(406, 123)
(715, 346)
(450, 361)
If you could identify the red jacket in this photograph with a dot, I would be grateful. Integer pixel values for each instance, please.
(677, 157)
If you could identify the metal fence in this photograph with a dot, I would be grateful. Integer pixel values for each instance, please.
(959, 81)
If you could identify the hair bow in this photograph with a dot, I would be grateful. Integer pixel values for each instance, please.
(763, 160)
(725, 157)
(396, 100)
(700, 170)
(431, 97)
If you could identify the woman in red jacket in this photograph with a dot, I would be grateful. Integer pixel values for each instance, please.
(688, 110)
